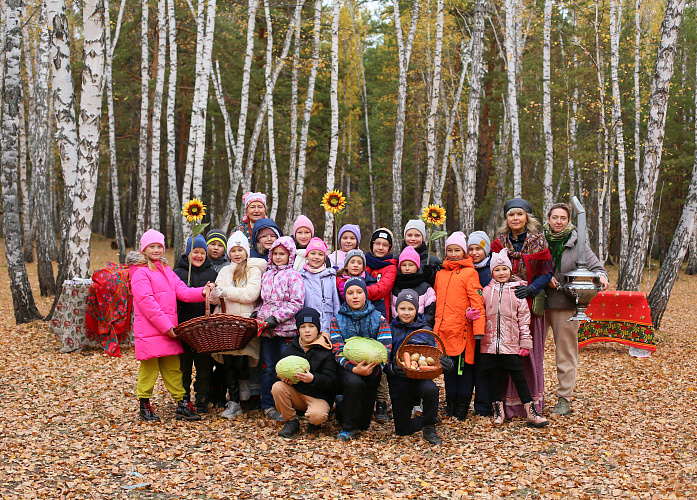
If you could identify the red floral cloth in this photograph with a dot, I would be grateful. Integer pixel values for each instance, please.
(623, 317)
(108, 319)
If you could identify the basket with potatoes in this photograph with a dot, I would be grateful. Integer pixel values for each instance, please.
(420, 361)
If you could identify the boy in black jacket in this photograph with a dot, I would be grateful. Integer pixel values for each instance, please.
(316, 389)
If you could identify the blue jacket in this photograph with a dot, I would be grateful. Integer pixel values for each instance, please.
(258, 226)
(321, 294)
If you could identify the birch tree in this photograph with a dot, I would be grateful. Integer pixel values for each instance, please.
(142, 182)
(547, 106)
(637, 90)
(25, 195)
(692, 261)
(334, 99)
(630, 273)
(615, 28)
(404, 54)
(293, 147)
(270, 114)
(22, 298)
(603, 182)
(511, 44)
(157, 115)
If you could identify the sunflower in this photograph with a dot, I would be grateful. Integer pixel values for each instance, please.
(194, 210)
(334, 202)
(434, 214)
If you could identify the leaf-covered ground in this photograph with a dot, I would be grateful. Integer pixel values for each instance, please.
(69, 429)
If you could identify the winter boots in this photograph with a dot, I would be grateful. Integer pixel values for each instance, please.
(431, 435)
(184, 411)
(534, 419)
(146, 411)
(498, 412)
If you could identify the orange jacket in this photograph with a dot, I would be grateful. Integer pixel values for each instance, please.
(457, 288)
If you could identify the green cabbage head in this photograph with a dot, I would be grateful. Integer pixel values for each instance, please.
(357, 349)
(290, 365)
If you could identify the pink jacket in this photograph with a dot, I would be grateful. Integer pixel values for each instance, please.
(282, 293)
(155, 295)
(507, 328)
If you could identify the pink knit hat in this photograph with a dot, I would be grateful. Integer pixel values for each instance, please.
(151, 236)
(303, 221)
(249, 198)
(411, 255)
(316, 244)
(457, 238)
(500, 259)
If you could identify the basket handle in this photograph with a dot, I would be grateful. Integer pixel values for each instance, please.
(423, 330)
(208, 305)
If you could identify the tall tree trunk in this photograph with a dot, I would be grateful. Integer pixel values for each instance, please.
(157, 115)
(307, 113)
(605, 180)
(404, 53)
(229, 137)
(334, 100)
(511, 67)
(692, 260)
(113, 171)
(615, 28)
(469, 159)
(547, 106)
(24, 186)
(172, 190)
(269, 114)
(630, 273)
(44, 222)
(142, 178)
(637, 90)
(435, 100)
(293, 148)
(22, 298)
(236, 179)
(501, 171)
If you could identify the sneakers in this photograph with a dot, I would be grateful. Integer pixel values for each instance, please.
(431, 435)
(313, 429)
(381, 412)
(232, 410)
(184, 411)
(201, 404)
(534, 419)
(346, 436)
(563, 407)
(290, 429)
(146, 411)
(273, 414)
(499, 416)
(244, 390)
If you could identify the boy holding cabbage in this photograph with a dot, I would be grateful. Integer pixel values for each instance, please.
(307, 370)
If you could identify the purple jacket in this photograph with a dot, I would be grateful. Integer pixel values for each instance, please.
(155, 295)
(321, 294)
(282, 292)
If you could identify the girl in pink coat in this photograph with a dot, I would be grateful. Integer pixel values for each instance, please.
(506, 338)
(155, 292)
(282, 295)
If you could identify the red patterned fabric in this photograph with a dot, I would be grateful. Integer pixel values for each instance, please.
(108, 319)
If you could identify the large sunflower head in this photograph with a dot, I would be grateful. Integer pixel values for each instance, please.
(194, 210)
(334, 202)
(433, 214)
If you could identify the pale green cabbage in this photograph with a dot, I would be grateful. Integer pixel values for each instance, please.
(357, 349)
(290, 365)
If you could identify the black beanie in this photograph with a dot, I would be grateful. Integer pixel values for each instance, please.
(307, 315)
(216, 234)
(517, 203)
(381, 232)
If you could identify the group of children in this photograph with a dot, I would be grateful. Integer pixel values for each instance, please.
(312, 302)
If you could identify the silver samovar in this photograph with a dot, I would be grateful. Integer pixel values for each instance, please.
(581, 284)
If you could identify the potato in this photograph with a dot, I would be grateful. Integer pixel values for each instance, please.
(430, 361)
(422, 361)
(415, 356)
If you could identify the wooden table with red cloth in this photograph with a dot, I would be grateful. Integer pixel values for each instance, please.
(108, 317)
(623, 317)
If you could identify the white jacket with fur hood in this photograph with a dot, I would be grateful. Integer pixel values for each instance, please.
(243, 299)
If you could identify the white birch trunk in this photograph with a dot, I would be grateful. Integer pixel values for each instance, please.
(547, 106)
(501, 163)
(172, 190)
(142, 182)
(3, 25)
(293, 147)
(404, 53)
(637, 90)
(630, 274)
(692, 260)
(157, 115)
(511, 67)
(307, 113)
(604, 180)
(435, 100)
(242, 122)
(25, 195)
(22, 297)
(334, 100)
(615, 28)
(269, 114)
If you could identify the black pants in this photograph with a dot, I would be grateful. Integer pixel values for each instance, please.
(403, 393)
(460, 381)
(204, 367)
(482, 403)
(236, 368)
(359, 399)
(494, 364)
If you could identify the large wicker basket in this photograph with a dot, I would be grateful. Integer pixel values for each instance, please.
(422, 350)
(218, 332)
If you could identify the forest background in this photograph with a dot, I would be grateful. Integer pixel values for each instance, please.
(116, 114)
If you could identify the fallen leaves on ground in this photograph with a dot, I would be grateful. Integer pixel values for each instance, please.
(69, 429)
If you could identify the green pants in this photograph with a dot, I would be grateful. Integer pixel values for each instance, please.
(168, 366)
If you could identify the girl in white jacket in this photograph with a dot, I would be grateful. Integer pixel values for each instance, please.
(239, 285)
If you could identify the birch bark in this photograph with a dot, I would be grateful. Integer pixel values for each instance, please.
(547, 106)
(630, 273)
(142, 182)
(334, 100)
(269, 114)
(692, 260)
(157, 115)
(501, 170)
(637, 90)
(293, 148)
(22, 298)
(24, 191)
(511, 43)
(604, 181)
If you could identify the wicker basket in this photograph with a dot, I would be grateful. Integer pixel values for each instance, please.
(421, 350)
(218, 332)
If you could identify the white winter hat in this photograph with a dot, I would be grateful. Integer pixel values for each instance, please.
(238, 239)
(417, 224)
